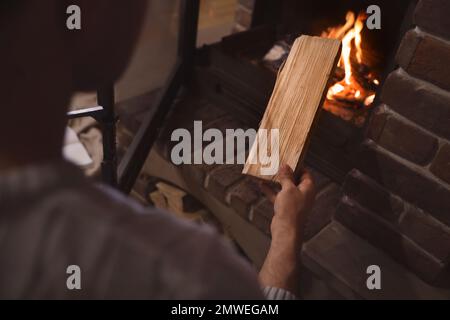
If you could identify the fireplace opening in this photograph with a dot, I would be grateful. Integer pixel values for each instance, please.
(364, 56)
(245, 66)
(356, 78)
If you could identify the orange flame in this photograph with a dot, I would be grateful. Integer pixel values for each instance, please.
(350, 34)
(359, 25)
(346, 52)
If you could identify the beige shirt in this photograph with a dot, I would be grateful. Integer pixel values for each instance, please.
(51, 218)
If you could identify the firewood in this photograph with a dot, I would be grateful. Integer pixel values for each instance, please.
(296, 100)
(171, 206)
(159, 200)
(177, 199)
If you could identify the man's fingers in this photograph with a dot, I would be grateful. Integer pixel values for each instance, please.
(286, 177)
(268, 192)
(306, 185)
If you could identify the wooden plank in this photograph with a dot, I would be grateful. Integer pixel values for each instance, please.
(298, 95)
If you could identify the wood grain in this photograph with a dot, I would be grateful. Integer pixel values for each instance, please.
(296, 100)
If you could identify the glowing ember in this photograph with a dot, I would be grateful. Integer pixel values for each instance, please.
(353, 89)
(369, 100)
(334, 90)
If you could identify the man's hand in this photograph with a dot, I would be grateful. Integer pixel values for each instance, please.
(291, 206)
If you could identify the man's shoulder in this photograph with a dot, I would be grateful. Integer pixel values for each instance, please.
(187, 260)
(127, 217)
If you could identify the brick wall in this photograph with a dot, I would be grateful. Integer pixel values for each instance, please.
(399, 199)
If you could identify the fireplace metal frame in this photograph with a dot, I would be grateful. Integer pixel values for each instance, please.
(144, 139)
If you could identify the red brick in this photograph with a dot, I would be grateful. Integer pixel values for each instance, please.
(420, 227)
(384, 236)
(427, 232)
(260, 216)
(197, 172)
(426, 57)
(377, 122)
(322, 212)
(320, 180)
(410, 182)
(186, 111)
(222, 178)
(264, 208)
(371, 195)
(341, 258)
(422, 103)
(433, 16)
(243, 195)
(441, 164)
(404, 138)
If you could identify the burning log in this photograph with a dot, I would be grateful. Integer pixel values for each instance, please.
(354, 82)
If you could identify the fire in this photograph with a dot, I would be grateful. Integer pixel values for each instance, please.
(359, 25)
(351, 89)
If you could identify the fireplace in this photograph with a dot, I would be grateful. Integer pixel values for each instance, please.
(238, 71)
(363, 58)
(382, 173)
(396, 195)
(390, 164)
